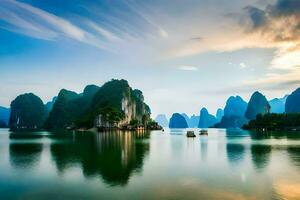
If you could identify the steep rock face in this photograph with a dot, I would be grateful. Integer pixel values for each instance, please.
(117, 105)
(206, 120)
(278, 105)
(258, 104)
(293, 102)
(27, 112)
(4, 116)
(219, 114)
(178, 121)
(162, 120)
(234, 113)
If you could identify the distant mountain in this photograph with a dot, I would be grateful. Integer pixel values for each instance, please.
(278, 105)
(234, 113)
(235, 106)
(27, 112)
(258, 104)
(162, 120)
(206, 120)
(177, 121)
(292, 104)
(219, 114)
(194, 121)
(4, 115)
(49, 105)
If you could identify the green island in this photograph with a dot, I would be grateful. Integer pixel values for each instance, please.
(115, 105)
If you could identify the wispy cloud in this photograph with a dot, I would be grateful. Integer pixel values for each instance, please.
(188, 68)
(36, 23)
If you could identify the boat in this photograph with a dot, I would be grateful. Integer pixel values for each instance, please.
(190, 134)
(203, 132)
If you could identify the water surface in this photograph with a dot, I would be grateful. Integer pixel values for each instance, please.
(226, 164)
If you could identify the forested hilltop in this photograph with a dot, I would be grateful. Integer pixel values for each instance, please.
(113, 105)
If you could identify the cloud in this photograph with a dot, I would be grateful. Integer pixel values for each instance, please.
(188, 68)
(36, 23)
(243, 66)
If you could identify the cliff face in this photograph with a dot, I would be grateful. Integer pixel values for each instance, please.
(292, 102)
(118, 105)
(258, 104)
(27, 112)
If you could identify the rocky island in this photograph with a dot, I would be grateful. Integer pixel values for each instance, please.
(115, 105)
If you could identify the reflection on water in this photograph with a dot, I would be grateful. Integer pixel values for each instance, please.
(226, 164)
(24, 155)
(260, 156)
(235, 153)
(113, 155)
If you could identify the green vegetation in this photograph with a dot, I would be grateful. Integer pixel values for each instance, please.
(115, 101)
(27, 112)
(290, 121)
(68, 108)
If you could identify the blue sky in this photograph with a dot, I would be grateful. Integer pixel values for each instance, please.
(182, 54)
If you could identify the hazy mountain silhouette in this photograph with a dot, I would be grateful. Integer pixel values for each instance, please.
(178, 121)
(4, 115)
(234, 113)
(278, 104)
(258, 104)
(162, 120)
(219, 114)
(206, 120)
(292, 102)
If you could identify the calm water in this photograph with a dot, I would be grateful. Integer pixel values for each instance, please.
(151, 165)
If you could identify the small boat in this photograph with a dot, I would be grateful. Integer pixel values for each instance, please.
(190, 134)
(203, 132)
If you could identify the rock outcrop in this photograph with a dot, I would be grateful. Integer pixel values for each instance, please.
(115, 104)
(27, 112)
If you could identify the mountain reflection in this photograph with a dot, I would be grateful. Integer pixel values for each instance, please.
(113, 155)
(24, 155)
(235, 151)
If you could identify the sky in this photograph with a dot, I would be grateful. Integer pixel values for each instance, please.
(183, 55)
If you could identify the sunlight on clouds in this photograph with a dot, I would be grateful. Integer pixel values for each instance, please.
(188, 68)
